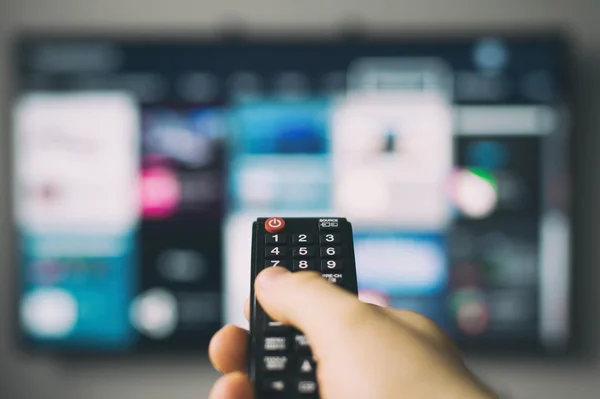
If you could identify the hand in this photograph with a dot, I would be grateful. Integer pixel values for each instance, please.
(362, 351)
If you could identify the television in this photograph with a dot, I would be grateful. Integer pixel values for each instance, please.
(139, 164)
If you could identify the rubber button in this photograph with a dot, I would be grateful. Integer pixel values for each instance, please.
(273, 225)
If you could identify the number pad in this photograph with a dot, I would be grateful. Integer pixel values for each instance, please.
(275, 239)
(304, 264)
(275, 252)
(330, 252)
(329, 239)
(284, 355)
(303, 239)
(330, 264)
(302, 252)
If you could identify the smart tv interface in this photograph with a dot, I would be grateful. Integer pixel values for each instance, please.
(140, 164)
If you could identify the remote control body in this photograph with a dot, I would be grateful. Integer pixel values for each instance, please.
(280, 361)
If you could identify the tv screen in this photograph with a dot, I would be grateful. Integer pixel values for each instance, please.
(140, 164)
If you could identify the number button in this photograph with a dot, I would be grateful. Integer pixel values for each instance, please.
(329, 265)
(329, 238)
(275, 239)
(274, 252)
(302, 239)
(330, 252)
(303, 265)
(302, 252)
(273, 263)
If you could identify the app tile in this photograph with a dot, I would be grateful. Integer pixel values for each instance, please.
(401, 263)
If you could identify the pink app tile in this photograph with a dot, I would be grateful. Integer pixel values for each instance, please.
(160, 194)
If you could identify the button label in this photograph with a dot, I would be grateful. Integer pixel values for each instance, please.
(307, 387)
(275, 363)
(275, 239)
(303, 239)
(275, 386)
(275, 343)
(301, 341)
(330, 252)
(331, 265)
(303, 265)
(329, 223)
(333, 278)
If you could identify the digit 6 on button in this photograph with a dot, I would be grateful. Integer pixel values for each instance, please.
(329, 252)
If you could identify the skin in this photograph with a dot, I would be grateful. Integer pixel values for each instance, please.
(362, 350)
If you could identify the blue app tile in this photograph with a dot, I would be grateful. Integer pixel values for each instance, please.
(280, 156)
(286, 127)
(401, 264)
(77, 289)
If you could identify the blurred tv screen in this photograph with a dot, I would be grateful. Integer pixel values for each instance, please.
(140, 164)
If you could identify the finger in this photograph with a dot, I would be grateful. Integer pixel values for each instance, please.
(323, 311)
(227, 349)
(247, 309)
(235, 385)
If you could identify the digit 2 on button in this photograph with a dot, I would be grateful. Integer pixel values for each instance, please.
(273, 225)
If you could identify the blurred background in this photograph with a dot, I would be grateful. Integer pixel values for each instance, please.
(140, 139)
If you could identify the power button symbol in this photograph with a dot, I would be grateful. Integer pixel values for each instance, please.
(273, 225)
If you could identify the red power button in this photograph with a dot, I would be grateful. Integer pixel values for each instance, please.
(273, 225)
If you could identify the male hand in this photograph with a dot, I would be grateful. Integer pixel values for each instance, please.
(362, 351)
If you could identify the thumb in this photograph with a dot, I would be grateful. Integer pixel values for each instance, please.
(323, 311)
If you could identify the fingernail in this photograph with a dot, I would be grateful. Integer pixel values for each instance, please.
(268, 276)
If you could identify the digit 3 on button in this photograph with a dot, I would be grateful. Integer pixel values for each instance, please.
(275, 224)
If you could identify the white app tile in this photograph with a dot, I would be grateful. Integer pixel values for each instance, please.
(392, 155)
(76, 162)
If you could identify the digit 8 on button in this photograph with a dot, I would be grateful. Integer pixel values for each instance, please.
(273, 225)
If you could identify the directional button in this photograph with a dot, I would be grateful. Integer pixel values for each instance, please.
(274, 385)
(306, 365)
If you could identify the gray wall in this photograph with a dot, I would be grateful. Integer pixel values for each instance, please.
(23, 377)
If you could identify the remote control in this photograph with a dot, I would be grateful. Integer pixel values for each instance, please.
(280, 359)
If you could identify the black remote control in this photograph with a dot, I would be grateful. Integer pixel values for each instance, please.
(280, 362)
